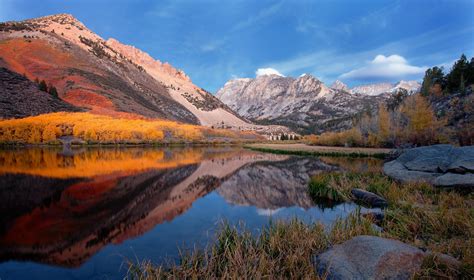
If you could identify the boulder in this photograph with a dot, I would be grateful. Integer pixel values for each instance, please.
(369, 198)
(372, 257)
(439, 165)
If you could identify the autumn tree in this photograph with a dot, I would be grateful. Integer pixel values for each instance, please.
(422, 122)
(383, 124)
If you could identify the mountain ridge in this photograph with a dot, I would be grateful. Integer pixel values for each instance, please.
(304, 104)
(108, 77)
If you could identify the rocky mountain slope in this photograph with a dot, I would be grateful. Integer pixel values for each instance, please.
(106, 76)
(19, 97)
(381, 88)
(304, 104)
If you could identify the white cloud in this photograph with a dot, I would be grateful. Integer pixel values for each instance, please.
(267, 71)
(385, 67)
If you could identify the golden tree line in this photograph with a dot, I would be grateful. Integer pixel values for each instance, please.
(92, 128)
(411, 122)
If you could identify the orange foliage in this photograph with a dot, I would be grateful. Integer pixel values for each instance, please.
(93, 128)
(351, 137)
(414, 122)
(86, 98)
(423, 126)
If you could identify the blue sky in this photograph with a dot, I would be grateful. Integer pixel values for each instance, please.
(213, 41)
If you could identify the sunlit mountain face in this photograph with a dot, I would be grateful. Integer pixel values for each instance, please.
(62, 207)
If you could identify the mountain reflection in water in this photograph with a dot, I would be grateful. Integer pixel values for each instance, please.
(63, 207)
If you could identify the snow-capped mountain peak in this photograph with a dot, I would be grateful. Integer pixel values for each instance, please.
(339, 85)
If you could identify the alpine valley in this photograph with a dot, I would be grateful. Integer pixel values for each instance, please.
(306, 104)
(110, 78)
(100, 76)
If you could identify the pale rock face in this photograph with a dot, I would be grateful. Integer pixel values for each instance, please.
(304, 103)
(66, 26)
(410, 86)
(339, 86)
(142, 58)
(372, 89)
(381, 88)
(269, 96)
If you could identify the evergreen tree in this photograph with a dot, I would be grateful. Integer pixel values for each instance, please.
(53, 91)
(42, 86)
(470, 73)
(433, 76)
(455, 76)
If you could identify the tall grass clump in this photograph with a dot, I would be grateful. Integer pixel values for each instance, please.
(439, 221)
(283, 250)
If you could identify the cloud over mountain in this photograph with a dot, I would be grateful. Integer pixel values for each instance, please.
(267, 71)
(385, 67)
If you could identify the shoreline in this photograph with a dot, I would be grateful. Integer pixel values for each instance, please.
(307, 150)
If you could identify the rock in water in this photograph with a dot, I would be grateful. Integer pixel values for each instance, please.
(370, 257)
(439, 165)
(369, 198)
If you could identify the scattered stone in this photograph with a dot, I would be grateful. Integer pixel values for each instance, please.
(372, 257)
(439, 165)
(369, 198)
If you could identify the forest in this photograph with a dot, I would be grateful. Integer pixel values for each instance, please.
(441, 113)
(92, 128)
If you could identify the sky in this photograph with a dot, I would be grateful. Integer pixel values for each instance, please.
(358, 42)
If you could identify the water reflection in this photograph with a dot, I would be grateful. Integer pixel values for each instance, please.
(63, 207)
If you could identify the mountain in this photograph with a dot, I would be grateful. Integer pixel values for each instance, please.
(106, 76)
(19, 97)
(340, 86)
(304, 104)
(372, 89)
(381, 88)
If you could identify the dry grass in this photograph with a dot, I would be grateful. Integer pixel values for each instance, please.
(280, 251)
(438, 220)
(303, 149)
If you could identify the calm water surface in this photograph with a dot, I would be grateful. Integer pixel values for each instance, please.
(79, 214)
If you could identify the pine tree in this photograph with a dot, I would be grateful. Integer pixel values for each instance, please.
(460, 69)
(42, 86)
(53, 91)
(433, 76)
(462, 85)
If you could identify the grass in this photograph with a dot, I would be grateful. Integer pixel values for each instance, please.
(438, 220)
(280, 251)
(318, 153)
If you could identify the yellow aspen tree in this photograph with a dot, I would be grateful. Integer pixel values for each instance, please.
(384, 124)
(422, 122)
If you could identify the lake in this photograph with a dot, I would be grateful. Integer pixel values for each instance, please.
(81, 213)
